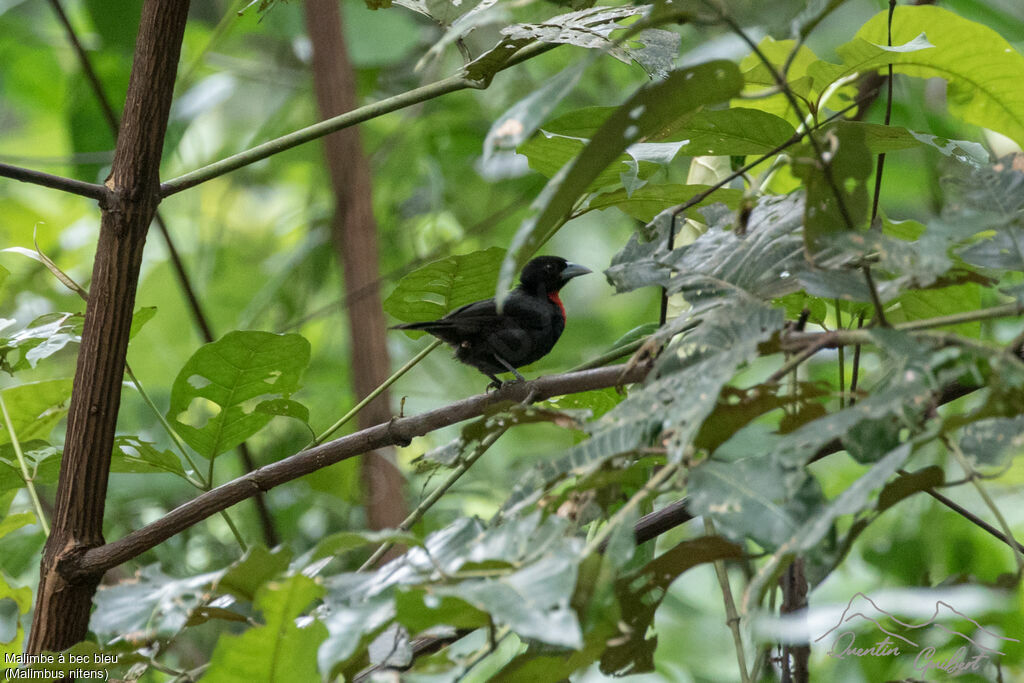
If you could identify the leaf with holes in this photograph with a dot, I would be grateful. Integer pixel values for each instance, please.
(215, 396)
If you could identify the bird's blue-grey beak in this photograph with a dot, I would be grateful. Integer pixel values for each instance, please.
(572, 270)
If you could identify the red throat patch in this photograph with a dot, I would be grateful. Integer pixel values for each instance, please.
(553, 297)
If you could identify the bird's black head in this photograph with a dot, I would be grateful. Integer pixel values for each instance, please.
(549, 274)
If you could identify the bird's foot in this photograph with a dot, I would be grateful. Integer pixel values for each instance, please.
(498, 385)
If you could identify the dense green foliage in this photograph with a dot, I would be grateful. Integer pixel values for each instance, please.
(838, 376)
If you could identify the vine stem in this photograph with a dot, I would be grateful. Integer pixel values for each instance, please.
(732, 616)
(972, 475)
(374, 394)
(25, 474)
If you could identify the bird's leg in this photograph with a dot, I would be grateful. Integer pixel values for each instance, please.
(508, 366)
(495, 382)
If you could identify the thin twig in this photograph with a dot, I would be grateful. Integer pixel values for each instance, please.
(56, 182)
(375, 393)
(880, 165)
(1018, 555)
(435, 495)
(842, 359)
(23, 465)
(732, 616)
(876, 301)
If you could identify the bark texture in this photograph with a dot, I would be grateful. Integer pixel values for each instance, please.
(354, 234)
(63, 602)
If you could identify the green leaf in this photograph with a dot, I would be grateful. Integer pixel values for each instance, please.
(16, 521)
(284, 407)
(431, 291)
(881, 139)
(278, 650)
(650, 109)
(533, 601)
(760, 497)
(588, 28)
(420, 608)
(990, 442)
(730, 132)
(214, 396)
(22, 599)
(140, 318)
(813, 528)
(35, 408)
(1003, 250)
(154, 605)
(133, 455)
(44, 336)
(920, 304)
(985, 73)
(641, 593)
(837, 196)
(342, 541)
(764, 262)
(548, 153)
(246, 576)
(521, 120)
(648, 201)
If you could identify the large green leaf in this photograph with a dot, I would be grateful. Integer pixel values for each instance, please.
(215, 396)
(760, 497)
(278, 650)
(985, 73)
(736, 131)
(431, 291)
(646, 202)
(649, 110)
(763, 262)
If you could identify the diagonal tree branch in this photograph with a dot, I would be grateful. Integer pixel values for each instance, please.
(398, 431)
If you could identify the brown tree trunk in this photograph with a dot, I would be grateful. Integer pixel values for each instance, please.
(354, 233)
(63, 603)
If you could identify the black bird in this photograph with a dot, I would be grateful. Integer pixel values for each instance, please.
(531, 321)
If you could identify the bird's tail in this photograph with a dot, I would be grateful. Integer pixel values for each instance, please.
(427, 325)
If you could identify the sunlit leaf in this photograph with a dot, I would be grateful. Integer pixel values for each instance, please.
(278, 650)
(431, 291)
